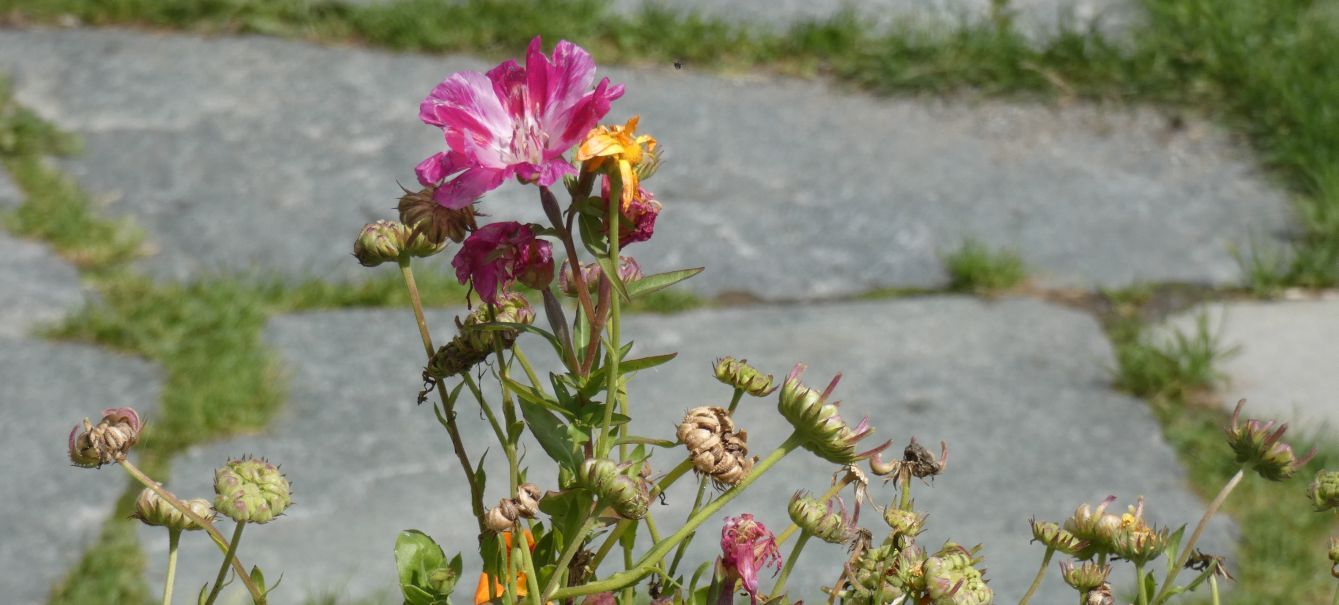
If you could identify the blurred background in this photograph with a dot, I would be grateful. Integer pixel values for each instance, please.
(1064, 236)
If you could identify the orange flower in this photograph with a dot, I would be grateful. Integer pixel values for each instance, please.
(481, 593)
(617, 144)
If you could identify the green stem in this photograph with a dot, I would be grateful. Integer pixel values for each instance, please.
(790, 564)
(573, 545)
(1189, 547)
(531, 580)
(173, 538)
(612, 376)
(448, 407)
(683, 546)
(525, 365)
(651, 527)
(508, 414)
(1139, 579)
(488, 411)
(565, 236)
(1213, 591)
(671, 477)
(609, 542)
(904, 478)
(1041, 573)
(734, 401)
(227, 559)
(658, 552)
(214, 533)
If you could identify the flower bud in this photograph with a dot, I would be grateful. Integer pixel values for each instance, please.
(607, 480)
(251, 490)
(434, 221)
(628, 271)
(819, 424)
(820, 519)
(380, 242)
(106, 442)
(1324, 490)
(1053, 536)
(1256, 443)
(1086, 576)
(951, 578)
(713, 446)
(1090, 526)
(904, 522)
(151, 509)
(742, 376)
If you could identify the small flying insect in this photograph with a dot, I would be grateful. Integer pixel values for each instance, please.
(678, 64)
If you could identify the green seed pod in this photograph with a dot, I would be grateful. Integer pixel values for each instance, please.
(904, 522)
(887, 567)
(1257, 443)
(1324, 490)
(608, 481)
(1086, 576)
(951, 578)
(740, 375)
(819, 423)
(251, 490)
(151, 509)
(819, 519)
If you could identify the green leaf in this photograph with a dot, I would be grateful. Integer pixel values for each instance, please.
(426, 578)
(535, 396)
(592, 235)
(1173, 547)
(258, 578)
(660, 281)
(611, 272)
(204, 594)
(552, 435)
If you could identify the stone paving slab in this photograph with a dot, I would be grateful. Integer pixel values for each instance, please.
(54, 511)
(259, 155)
(36, 287)
(1018, 388)
(1285, 361)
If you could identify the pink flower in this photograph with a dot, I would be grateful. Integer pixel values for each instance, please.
(638, 221)
(498, 254)
(746, 546)
(512, 121)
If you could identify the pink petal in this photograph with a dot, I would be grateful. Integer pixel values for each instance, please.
(469, 186)
(438, 166)
(470, 113)
(509, 85)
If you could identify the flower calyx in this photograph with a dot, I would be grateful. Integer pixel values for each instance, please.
(952, 577)
(1084, 576)
(715, 448)
(1324, 491)
(435, 222)
(823, 520)
(610, 482)
(1050, 534)
(152, 509)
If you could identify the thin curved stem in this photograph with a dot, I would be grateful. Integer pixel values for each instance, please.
(173, 538)
(214, 533)
(734, 401)
(1041, 573)
(227, 559)
(658, 552)
(1189, 547)
(1213, 591)
(780, 586)
(683, 546)
(525, 365)
(573, 545)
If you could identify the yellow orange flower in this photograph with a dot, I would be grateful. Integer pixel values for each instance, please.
(622, 146)
(481, 593)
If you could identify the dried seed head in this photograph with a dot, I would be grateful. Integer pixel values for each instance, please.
(109, 441)
(821, 519)
(527, 500)
(1099, 596)
(151, 509)
(1086, 576)
(502, 517)
(740, 375)
(714, 447)
(1324, 490)
(434, 221)
(608, 480)
(818, 422)
(1052, 535)
(474, 343)
(251, 490)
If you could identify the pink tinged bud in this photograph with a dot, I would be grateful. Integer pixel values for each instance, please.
(1324, 490)
(1255, 444)
(818, 422)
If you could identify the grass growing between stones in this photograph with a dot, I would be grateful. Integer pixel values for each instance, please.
(978, 269)
(1280, 559)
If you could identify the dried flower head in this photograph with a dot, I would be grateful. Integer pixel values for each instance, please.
(1135, 540)
(714, 447)
(1324, 490)
(473, 342)
(825, 520)
(499, 254)
(739, 374)
(1053, 536)
(251, 490)
(434, 221)
(525, 504)
(1099, 596)
(1094, 527)
(152, 509)
(1085, 576)
(618, 151)
(609, 481)
(818, 422)
(747, 547)
(108, 441)
(1258, 444)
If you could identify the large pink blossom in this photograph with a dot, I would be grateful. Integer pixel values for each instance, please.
(512, 121)
(498, 254)
(746, 547)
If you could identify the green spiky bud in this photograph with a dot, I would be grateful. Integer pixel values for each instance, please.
(380, 242)
(819, 423)
(1086, 576)
(904, 522)
(821, 520)
(739, 374)
(251, 490)
(952, 578)
(1053, 536)
(1324, 490)
(1257, 443)
(609, 481)
(152, 509)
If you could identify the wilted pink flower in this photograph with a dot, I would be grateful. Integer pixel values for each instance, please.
(512, 121)
(638, 221)
(746, 546)
(498, 254)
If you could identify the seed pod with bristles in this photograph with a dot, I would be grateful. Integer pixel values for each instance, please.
(951, 577)
(818, 422)
(1052, 535)
(608, 481)
(251, 490)
(1085, 576)
(904, 522)
(820, 519)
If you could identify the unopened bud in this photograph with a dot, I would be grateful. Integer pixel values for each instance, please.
(951, 578)
(1086, 576)
(739, 374)
(380, 242)
(251, 490)
(1090, 526)
(904, 522)
(1324, 490)
(1053, 536)
(607, 480)
(820, 519)
(1257, 443)
(152, 509)
(436, 222)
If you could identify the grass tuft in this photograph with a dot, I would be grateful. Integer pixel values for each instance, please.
(1173, 364)
(976, 268)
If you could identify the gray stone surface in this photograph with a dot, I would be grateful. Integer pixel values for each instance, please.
(1284, 365)
(1017, 388)
(36, 287)
(53, 511)
(252, 154)
(10, 196)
